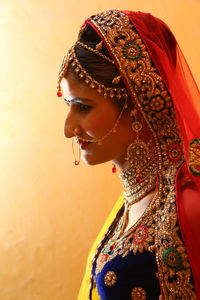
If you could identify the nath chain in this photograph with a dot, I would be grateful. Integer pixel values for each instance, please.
(112, 130)
(76, 161)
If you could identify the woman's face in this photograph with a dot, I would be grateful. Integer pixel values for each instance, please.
(94, 116)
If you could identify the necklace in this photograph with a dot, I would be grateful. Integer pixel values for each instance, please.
(125, 217)
(135, 190)
(118, 240)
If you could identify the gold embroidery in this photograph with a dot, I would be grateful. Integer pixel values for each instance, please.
(138, 293)
(171, 255)
(110, 278)
(194, 157)
(146, 85)
(137, 239)
(152, 98)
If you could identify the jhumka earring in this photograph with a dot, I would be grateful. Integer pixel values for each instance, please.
(140, 176)
(139, 153)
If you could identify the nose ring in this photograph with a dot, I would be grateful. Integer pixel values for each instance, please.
(76, 131)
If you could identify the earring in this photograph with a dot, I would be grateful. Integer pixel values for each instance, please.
(114, 169)
(139, 153)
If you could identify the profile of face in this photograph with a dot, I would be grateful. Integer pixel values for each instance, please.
(93, 116)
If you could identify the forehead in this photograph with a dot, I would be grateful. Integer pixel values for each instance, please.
(76, 89)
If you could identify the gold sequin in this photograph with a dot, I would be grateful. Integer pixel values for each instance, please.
(110, 278)
(138, 293)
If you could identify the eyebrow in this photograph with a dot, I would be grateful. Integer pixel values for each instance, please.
(77, 99)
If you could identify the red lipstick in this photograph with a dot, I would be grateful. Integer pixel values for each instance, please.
(83, 144)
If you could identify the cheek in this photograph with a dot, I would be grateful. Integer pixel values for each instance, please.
(99, 124)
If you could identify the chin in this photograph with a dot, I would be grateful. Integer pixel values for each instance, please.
(92, 161)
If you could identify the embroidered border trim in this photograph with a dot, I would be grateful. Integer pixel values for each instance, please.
(194, 157)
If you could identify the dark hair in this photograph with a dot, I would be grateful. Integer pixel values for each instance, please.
(98, 68)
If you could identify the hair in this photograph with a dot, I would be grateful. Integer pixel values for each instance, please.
(100, 69)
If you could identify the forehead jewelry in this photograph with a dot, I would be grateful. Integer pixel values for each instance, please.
(71, 58)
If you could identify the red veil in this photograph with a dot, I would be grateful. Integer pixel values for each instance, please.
(171, 64)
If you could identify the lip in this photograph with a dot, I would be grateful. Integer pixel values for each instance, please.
(83, 144)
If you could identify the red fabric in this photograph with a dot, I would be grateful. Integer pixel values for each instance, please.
(188, 198)
(173, 68)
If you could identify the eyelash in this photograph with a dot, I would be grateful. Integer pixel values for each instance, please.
(81, 107)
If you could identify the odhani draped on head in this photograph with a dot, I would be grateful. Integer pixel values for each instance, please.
(160, 84)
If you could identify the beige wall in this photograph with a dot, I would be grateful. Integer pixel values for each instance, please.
(50, 210)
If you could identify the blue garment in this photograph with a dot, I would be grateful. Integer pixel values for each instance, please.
(128, 273)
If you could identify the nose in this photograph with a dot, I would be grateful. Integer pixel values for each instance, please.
(71, 127)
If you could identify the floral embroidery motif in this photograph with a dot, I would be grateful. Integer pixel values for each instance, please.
(140, 234)
(172, 258)
(132, 51)
(179, 286)
(174, 152)
(138, 293)
(137, 239)
(157, 103)
(110, 278)
(194, 157)
(109, 248)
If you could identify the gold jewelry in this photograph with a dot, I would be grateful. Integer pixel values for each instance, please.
(125, 217)
(76, 131)
(62, 72)
(112, 130)
(118, 93)
(138, 152)
(95, 51)
(140, 177)
(76, 161)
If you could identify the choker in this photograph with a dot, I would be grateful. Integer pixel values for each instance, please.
(136, 188)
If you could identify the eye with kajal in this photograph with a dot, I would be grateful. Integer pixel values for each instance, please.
(78, 105)
(83, 107)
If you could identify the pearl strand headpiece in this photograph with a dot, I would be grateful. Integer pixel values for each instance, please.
(118, 93)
